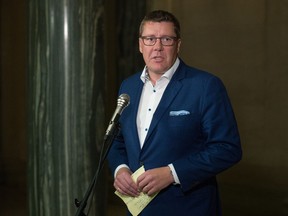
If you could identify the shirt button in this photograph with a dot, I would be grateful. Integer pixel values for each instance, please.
(149, 109)
(146, 129)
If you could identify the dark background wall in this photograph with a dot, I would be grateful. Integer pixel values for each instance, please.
(13, 85)
(243, 42)
(13, 145)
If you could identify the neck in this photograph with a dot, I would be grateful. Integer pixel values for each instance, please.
(154, 77)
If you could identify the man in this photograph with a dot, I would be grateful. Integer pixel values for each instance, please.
(179, 124)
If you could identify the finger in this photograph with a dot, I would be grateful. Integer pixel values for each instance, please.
(126, 188)
(142, 181)
(149, 190)
(131, 187)
(119, 190)
(145, 189)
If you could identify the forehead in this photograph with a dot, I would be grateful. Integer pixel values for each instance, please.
(158, 28)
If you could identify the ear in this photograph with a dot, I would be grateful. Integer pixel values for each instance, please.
(178, 45)
(140, 46)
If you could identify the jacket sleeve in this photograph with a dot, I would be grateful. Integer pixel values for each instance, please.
(221, 147)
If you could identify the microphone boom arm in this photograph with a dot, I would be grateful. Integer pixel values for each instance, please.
(108, 139)
(112, 130)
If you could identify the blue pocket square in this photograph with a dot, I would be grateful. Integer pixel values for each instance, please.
(179, 113)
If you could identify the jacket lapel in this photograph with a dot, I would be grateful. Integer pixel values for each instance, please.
(170, 93)
(136, 99)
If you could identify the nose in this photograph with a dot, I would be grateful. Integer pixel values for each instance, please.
(158, 45)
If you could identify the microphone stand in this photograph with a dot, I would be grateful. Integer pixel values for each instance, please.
(108, 139)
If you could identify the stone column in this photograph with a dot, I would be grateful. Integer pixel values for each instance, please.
(66, 75)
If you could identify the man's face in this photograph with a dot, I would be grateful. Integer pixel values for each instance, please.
(159, 58)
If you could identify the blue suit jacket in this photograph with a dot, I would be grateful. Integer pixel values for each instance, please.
(193, 128)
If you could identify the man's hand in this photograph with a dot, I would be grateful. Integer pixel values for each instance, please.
(124, 183)
(154, 180)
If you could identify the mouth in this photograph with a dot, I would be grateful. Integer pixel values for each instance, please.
(157, 58)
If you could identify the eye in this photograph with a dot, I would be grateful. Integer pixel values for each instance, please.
(150, 39)
(167, 39)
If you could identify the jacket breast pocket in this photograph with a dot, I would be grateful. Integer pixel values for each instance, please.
(184, 120)
(182, 126)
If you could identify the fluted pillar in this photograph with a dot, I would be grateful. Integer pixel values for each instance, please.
(66, 75)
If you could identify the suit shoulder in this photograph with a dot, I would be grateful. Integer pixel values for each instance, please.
(132, 78)
(131, 83)
(196, 73)
(198, 77)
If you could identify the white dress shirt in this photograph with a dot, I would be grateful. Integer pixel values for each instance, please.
(150, 98)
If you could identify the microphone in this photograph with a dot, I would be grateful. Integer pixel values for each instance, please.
(122, 102)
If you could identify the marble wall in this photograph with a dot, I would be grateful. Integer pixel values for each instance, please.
(66, 74)
(69, 86)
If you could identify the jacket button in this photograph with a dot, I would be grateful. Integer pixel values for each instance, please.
(141, 163)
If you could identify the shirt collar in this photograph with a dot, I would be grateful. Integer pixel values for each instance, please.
(168, 74)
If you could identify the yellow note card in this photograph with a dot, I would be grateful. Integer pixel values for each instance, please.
(136, 204)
